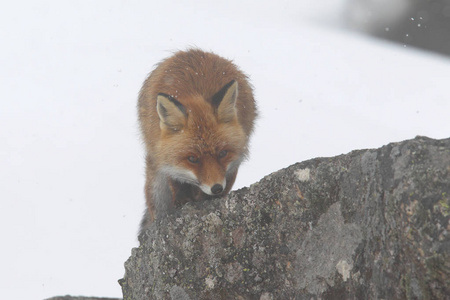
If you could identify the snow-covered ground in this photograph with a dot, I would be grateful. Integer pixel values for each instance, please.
(71, 160)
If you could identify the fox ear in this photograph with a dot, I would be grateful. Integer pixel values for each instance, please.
(172, 114)
(224, 102)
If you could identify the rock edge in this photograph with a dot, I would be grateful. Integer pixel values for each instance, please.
(371, 224)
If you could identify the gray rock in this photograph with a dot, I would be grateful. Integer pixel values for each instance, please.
(372, 224)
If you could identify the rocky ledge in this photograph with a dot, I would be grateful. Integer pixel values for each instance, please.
(371, 224)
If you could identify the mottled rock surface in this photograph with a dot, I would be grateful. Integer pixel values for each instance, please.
(371, 224)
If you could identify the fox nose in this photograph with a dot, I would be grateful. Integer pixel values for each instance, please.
(217, 189)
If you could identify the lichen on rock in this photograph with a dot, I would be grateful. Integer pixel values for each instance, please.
(370, 224)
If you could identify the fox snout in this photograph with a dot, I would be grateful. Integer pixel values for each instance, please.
(214, 190)
(183, 175)
(217, 189)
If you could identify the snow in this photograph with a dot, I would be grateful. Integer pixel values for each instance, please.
(72, 163)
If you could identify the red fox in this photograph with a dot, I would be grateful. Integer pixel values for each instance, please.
(196, 112)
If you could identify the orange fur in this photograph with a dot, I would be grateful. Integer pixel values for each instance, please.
(191, 125)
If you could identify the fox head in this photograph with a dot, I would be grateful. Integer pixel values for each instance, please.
(202, 142)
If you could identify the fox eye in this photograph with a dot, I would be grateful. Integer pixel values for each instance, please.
(193, 159)
(223, 153)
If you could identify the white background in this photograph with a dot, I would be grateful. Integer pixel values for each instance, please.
(71, 160)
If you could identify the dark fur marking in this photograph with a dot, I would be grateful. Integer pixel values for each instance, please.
(174, 101)
(218, 97)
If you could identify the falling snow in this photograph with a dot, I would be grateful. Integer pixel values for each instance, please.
(73, 163)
